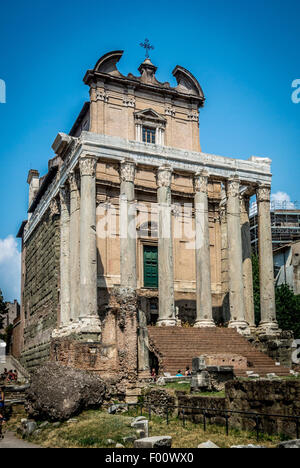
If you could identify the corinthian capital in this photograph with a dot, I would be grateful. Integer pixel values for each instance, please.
(263, 193)
(88, 165)
(64, 194)
(127, 171)
(201, 181)
(73, 181)
(164, 176)
(233, 186)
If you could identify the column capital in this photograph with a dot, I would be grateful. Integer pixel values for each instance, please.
(201, 181)
(164, 176)
(127, 170)
(87, 165)
(73, 181)
(233, 186)
(64, 195)
(263, 193)
(54, 207)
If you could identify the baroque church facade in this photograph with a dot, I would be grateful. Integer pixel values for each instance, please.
(134, 226)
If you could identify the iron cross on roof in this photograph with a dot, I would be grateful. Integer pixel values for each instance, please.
(147, 46)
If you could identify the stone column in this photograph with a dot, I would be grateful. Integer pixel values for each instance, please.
(74, 245)
(89, 318)
(247, 262)
(127, 225)
(165, 249)
(268, 324)
(64, 256)
(235, 258)
(202, 250)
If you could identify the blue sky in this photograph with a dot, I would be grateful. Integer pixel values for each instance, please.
(244, 54)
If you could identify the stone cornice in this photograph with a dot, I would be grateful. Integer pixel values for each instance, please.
(117, 149)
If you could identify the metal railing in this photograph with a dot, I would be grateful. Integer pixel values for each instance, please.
(208, 413)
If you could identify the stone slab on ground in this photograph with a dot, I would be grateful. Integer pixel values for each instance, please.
(250, 446)
(289, 444)
(208, 445)
(154, 442)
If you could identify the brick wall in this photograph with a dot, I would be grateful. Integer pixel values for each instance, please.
(41, 290)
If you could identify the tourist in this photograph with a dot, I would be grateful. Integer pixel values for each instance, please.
(188, 372)
(179, 374)
(153, 374)
(2, 398)
(15, 375)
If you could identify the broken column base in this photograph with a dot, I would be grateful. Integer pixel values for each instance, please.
(278, 346)
(205, 324)
(241, 327)
(87, 327)
(211, 378)
(268, 329)
(166, 323)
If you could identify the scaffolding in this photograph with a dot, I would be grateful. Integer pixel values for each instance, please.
(285, 224)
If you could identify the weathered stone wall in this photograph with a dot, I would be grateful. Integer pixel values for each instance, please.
(267, 397)
(41, 297)
(114, 358)
(159, 399)
(277, 347)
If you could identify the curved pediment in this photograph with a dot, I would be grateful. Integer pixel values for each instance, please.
(186, 82)
(108, 63)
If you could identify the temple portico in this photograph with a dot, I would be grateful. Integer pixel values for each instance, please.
(134, 226)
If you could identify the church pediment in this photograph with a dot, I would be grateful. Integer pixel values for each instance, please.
(149, 114)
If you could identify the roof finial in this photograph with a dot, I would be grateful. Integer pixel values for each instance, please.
(147, 46)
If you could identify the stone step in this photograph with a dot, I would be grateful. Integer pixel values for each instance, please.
(177, 346)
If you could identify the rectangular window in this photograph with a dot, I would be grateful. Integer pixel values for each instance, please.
(149, 135)
(150, 266)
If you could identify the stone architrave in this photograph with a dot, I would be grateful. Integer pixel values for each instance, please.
(268, 324)
(235, 258)
(89, 319)
(64, 256)
(127, 225)
(202, 250)
(165, 249)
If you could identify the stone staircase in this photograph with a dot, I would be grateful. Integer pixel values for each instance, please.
(175, 348)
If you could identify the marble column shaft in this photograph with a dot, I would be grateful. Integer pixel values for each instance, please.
(266, 266)
(64, 256)
(127, 225)
(74, 245)
(247, 262)
(236, 286)
(202, 251)
(165, 249)
(88, 252)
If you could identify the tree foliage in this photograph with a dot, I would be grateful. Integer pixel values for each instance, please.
(287, 304)
(3, 309)
(288, 309)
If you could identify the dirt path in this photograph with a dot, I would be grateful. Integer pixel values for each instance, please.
(11, 441)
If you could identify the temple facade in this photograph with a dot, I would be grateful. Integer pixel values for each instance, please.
(134, 226)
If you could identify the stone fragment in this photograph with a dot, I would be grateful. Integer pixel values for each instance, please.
(140, 434)
(154, 442)
(44, 425)
(112, 409)
(250, 446)
(119, 446)
(129, 439)
(142, 424)
(58, 392)
(289, 444)
(208, 445)
(110, 442)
